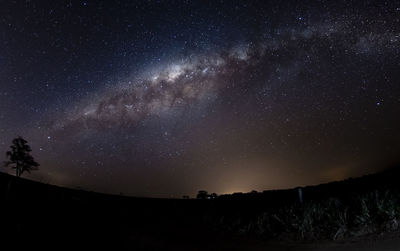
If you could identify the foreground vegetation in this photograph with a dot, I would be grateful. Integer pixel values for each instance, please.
(333, 218)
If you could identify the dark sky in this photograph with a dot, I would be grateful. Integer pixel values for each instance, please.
(164, 98)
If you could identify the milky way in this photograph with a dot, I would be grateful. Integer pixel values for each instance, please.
(224, 97)
(198, 79)
(168, 91)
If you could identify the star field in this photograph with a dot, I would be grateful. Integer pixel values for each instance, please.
(165, 98)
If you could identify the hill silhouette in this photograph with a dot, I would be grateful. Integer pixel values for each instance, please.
(48, 215)
(388, 178)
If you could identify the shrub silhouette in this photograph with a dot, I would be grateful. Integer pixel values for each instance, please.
(20, 158)
(202, 194)
(213, 195)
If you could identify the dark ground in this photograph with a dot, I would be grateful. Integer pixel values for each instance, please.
(39, 215)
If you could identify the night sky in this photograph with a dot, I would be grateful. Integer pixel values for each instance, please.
(165, 98)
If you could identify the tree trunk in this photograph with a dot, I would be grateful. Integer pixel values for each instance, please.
(17, 169)
(8, 189)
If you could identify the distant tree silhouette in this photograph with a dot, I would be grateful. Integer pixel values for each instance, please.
(20, 158)
(202, 194)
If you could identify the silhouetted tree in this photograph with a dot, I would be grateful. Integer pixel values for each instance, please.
(20, 158)
(202, 194)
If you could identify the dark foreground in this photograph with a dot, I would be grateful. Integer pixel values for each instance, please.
(39, 215)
